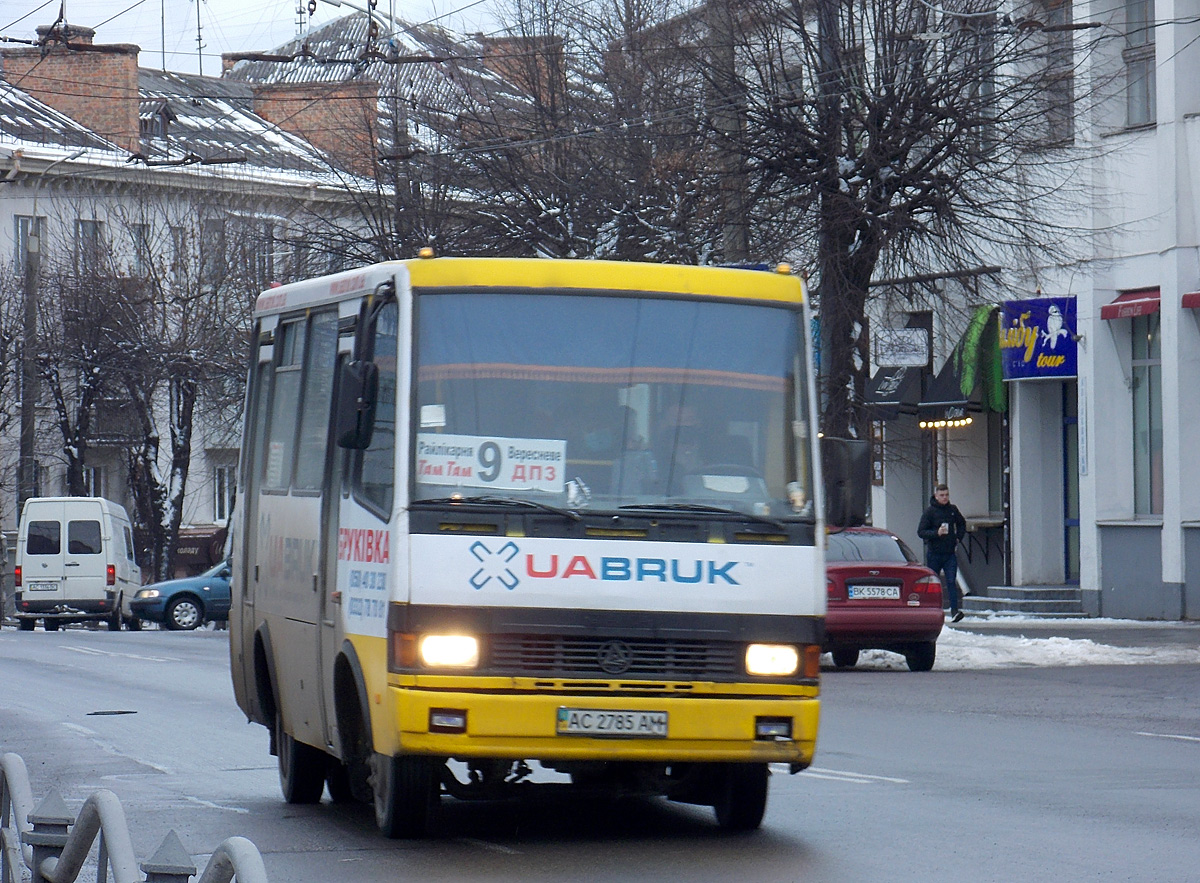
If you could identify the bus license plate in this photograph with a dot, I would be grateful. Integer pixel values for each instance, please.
(891, 593)
(602, 722)
(42, 587)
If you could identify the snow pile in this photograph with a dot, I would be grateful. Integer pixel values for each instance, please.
(959, 650)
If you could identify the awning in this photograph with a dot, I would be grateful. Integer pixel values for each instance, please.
(1191, 300)
(1130, 304)
(199, 547)
(944, 397)
(893, 391)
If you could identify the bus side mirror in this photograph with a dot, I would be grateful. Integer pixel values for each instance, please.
(846, 470)
(358, 388)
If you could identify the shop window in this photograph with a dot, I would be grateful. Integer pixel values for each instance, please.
(1146, 368)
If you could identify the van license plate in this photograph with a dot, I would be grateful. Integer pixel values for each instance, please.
(602, 722)
(42, 587)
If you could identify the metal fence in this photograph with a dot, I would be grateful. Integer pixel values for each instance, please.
(52, 845)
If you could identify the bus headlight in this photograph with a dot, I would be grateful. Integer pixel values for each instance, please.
(772, 660)
(449, 651)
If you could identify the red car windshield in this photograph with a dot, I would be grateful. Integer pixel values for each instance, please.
(847, 546)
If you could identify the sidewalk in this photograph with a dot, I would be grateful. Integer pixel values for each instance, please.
(1114, 632)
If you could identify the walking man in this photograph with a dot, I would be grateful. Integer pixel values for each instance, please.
(941, 527)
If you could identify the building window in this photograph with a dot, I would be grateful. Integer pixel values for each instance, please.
(1059, 95)
(1146, 369)
(21, 228)
(212, 253)
(93, 481)
(224, 484)
(141, 250)
(89, 242)
(1138, 56)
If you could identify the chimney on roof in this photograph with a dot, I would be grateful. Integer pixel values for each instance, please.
(340, 119)
(103, 79)
(227, 62)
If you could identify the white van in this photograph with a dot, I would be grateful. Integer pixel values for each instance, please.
(75, 562)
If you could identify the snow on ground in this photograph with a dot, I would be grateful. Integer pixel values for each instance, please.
(959, 650)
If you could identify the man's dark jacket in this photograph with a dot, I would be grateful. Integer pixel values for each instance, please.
(933, 518)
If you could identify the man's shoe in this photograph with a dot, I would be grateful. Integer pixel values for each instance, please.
(957, 616)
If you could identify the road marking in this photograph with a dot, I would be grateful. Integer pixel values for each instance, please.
(852, 777)
(92, 651)
(1170, 736)
(490, 847)
(211, 805)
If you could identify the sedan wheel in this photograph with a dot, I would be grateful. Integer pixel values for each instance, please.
(184, 614)
(845, 658)
(920, 656)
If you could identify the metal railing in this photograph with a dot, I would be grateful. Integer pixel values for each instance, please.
(53, 845)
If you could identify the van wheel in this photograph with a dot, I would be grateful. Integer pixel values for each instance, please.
(114, 621)
(407, 793)
(741, 796)
(184, 614)
(51, 625)
(301, 767)
(133, 624)
(26, 625)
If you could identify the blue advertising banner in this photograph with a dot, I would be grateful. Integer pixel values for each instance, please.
(1037, 338)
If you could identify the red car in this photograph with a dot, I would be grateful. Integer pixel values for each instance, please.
(880, 598)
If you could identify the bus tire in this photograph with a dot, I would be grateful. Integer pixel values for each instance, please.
(301, 767)
(741, 796)
(407, 791)
(337, 781)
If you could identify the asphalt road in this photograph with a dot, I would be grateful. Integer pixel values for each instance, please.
(1077, 773)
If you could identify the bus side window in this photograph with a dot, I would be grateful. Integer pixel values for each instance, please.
(316, 396)
(285, 407)
(375, 486)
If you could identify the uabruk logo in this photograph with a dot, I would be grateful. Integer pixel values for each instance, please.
(506, 566)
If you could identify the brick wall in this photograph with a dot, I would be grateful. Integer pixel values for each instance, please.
(340, 119)
(96, 86)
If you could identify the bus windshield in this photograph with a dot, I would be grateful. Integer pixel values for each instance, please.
(600, 401)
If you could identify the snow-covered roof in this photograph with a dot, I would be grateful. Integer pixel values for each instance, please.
(211, 118)
(428, 76)
(26, 122)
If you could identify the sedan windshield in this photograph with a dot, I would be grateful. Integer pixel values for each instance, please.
(584, 400)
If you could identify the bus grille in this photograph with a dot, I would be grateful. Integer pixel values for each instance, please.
(613, 657)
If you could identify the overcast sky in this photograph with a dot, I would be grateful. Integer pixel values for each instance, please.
(225, 25)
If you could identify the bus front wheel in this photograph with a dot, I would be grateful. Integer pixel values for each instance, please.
(407, 792)
(301, 767)
(741, 796)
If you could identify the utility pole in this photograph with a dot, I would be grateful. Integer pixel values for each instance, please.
(30, 387)
(30, 391)
(726, 99)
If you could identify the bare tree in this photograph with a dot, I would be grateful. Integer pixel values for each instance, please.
(898, 137)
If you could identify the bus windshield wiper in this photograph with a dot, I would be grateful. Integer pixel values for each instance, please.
(702, 507)
(494, 500)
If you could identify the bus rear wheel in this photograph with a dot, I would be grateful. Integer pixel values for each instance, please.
(407, 792)
(301, 767)
(741, 796)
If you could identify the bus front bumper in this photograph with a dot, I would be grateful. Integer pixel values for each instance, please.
(726, 728)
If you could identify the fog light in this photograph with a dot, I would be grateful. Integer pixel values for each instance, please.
(447, 720)
(773, 729)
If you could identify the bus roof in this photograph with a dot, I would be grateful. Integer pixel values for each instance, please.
(542, 273)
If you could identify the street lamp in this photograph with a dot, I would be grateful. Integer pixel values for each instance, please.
(29, 374)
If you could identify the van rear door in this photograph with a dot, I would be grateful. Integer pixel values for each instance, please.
(42, 571)
(84, 561)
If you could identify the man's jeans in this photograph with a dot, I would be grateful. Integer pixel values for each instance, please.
(946, 565)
